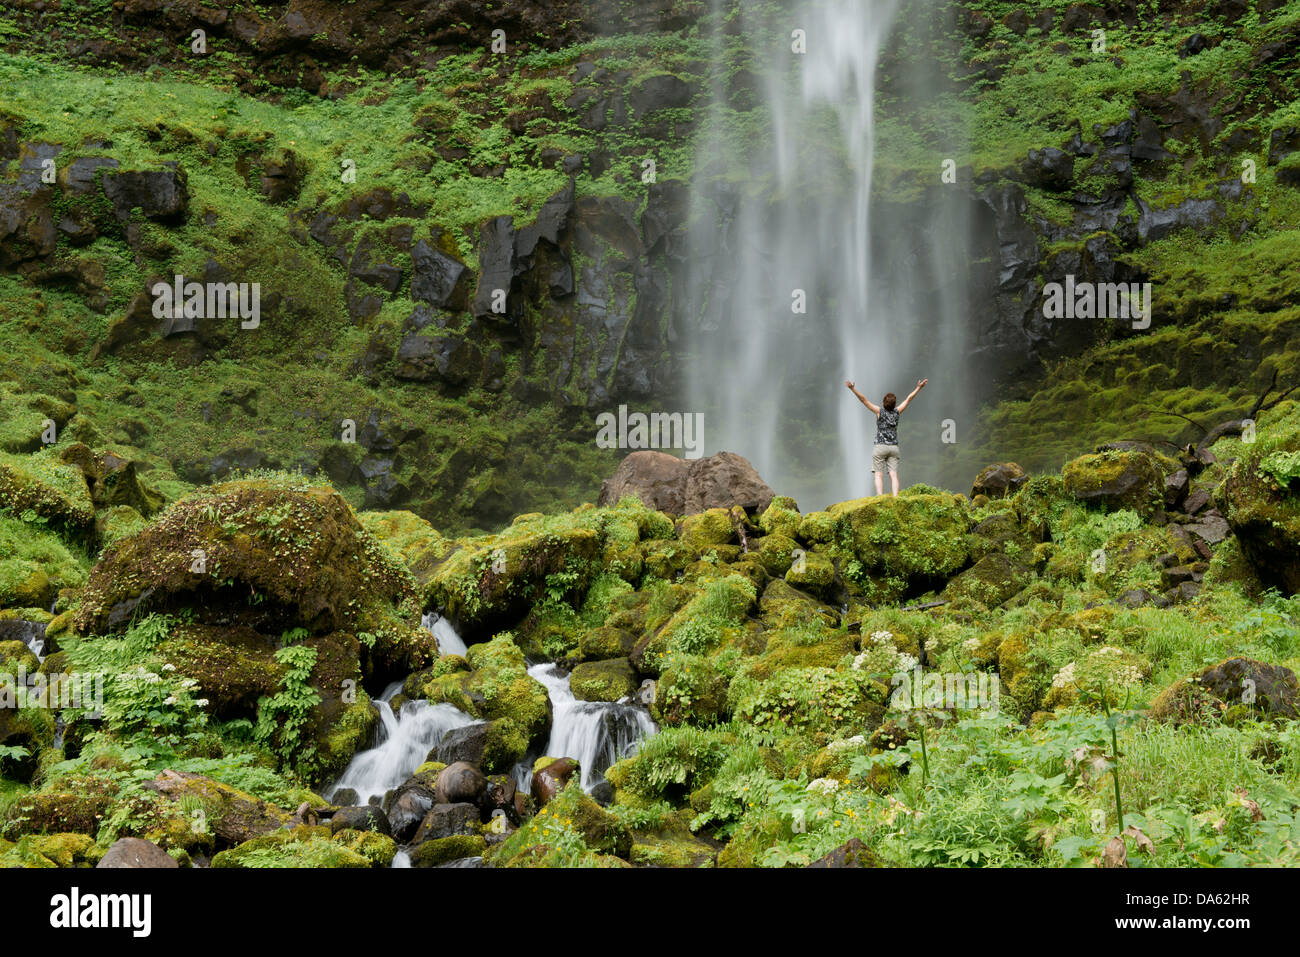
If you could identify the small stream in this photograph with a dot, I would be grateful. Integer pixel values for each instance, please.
(595, 734)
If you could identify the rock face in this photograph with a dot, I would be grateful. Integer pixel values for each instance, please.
(132, 852)
(680, 487)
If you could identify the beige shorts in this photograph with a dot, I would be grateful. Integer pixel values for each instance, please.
(884, 458)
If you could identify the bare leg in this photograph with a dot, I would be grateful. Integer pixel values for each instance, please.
(880, 485)
(893, 478)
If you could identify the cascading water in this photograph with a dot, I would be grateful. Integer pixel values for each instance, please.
(405, 741)
(800, 276)
(594, 733)
(449, 642)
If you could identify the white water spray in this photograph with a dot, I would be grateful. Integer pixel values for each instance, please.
(594, 733)
(449, 642)
(793, 225)
(405, 741)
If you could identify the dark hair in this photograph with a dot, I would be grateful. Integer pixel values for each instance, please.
(889, 402)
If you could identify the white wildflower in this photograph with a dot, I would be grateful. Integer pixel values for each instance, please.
(824, 786)
(1065, 676)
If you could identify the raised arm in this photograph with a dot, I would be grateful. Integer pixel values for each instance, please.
(902, 406)
(863, 399)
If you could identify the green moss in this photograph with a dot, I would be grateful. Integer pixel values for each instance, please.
(34, 564)
(378, 849)
(444, 849)
(608, 680)
(1132, 480)
(303, 846)
(47, 488)
(712, 527)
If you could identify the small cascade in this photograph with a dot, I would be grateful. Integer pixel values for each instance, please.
(449, 643)
(33, 636)
(594, 733)
(404, 742)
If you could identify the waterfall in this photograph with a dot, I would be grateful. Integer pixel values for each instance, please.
(594, 733)
(449, 642)
(405, 741)
(784, 211)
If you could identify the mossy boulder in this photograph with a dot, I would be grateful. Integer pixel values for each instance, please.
(671, 845)
(781, 517)
(303, 846)
(571, 810)
(52, 850)
(1115, 479)
(412, 540)
(118, 522)
(914, 540)
(112, 480)
(49, 488)
(806, 647)
(813, 572)
(233, 816)
(692, 689)
(1260, 498)
(665, 559)
(38, 812)
(35, 564)
(234, 665)
(999, 480)
(608, 641)
(777, 552)
(379, 849)
(991, 581)
(15, 655)
(1235, 688)
(705, 529)
(25, 417)
(492, 578)
(500, 687)
(608, 680)
(28, 728)
(784, 606)
(296, 549)
(442, 850)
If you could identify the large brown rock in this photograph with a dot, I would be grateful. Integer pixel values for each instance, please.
(656, 478)
(550, 780)
(724, 480)
(999, 481)
(136, 852)
(459, 783)
(682, 487)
